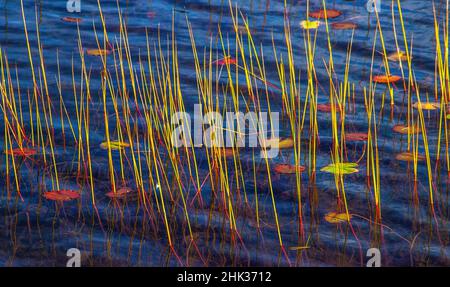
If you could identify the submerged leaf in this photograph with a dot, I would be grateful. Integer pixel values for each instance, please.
(344, 26)
(305, 24)
(402, 129)
(327, 108)
(288, 168)
(119, 193)
(397, 56)
(409, 156)
(333, 217)
(356, 136)
(341, 168)
(21, 152)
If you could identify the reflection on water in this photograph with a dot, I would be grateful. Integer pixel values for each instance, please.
(223, 227)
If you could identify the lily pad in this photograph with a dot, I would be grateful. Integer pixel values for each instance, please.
(288, 168)
(310, 24)
(335, 218)
(341, 168)
(114, 145)
(385, 79)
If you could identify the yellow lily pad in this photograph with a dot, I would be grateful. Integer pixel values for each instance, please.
(431, 106)
(305, 24)
(335, 218)
(276, 142)
(341, 168)
(397, 56)
(114, 145)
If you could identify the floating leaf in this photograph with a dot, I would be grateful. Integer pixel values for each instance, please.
(98, 52)
(356, 136)
(71, 19)
(21, 152)
(402, 129)
(226, 61)
(114, 145)
(120, 193)
(227, 152)
(327, 108)
(288, 168)
(333, 217)
(276, 142)
(383, 79)
(344, 26)
(409, 156)
(330, 13)
(430, 106)
(61, 195)
(341, 168)
(397, 56)
(309, 24)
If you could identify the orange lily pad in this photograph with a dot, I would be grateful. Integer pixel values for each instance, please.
(356, 136)
(383, 79)
(61, 195)
(288, 168)
(226, 61)
(327, 108)
(409, 156)
(330, 13)
(334, 217)
(72, 19)
(21, 152)
(344, 26)
(98, 52)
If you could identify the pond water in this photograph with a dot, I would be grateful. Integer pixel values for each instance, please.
(35, 231)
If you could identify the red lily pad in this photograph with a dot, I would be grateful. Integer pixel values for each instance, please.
(61, 195)
(344, 26)
(120, 193)
(330, 13)
(327, 108)
(288, 168)
(356, 136)
(72, 19)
